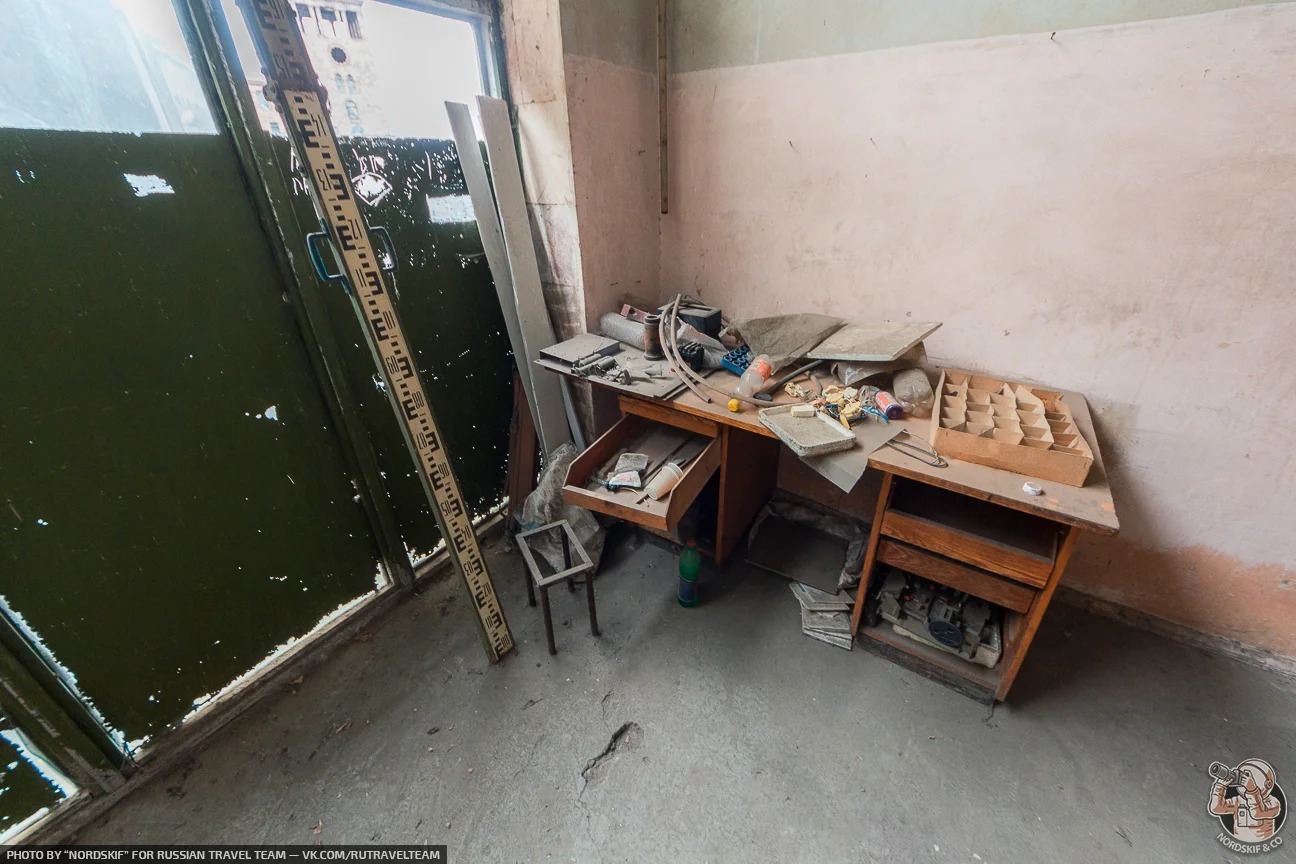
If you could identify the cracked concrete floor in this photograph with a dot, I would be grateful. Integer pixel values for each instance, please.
(739, 739)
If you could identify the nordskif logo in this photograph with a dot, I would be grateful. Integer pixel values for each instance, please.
(1250, 805)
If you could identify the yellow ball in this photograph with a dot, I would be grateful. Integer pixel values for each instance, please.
(735, 405)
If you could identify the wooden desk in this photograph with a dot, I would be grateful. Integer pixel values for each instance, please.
(966, 526)
(974, 529)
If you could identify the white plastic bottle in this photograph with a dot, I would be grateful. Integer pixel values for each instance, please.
(754, 378)
(914, 392)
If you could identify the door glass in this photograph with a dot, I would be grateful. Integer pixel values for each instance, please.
(175, 507)
(98, 66)
(388, 70)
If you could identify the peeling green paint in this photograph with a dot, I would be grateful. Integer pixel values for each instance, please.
(173, 503)
(448, 307)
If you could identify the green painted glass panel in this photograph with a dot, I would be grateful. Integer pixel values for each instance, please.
(175, 504)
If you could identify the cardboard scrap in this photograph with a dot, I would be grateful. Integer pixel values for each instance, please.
(784, 338)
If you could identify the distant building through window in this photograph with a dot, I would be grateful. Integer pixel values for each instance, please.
(329, 18)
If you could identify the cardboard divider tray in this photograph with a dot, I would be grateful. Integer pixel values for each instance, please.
(1004, 424)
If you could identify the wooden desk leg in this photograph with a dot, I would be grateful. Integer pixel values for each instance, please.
(523, 452)
(870, 554)
(748, 472)
(1036, 614)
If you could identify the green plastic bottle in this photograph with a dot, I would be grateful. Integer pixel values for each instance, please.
(690, 564)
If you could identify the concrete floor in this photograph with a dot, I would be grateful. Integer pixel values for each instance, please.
(750, 741)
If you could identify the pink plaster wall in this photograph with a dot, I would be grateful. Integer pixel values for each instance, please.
(613, 114)
(532, 34)
(1110, 211)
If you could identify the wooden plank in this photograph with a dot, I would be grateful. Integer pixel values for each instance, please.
(300, 99)
(987, 586)
(870, 554)
(995, 557)
(663, 413)
(1016, 652)
(872, 343)
(522, 450)
(748, 474)
(533, 317)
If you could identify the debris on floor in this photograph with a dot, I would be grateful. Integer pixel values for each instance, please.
(825, 616)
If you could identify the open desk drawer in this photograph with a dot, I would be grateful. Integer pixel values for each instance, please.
(660, 442)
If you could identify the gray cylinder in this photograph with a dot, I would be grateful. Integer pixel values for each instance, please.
(621, 329)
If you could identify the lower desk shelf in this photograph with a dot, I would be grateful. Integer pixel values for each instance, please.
(1010, 559)
(976, 681)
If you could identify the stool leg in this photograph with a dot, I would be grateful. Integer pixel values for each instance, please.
(589, 598)
(548, 618)
(530, 583)
(566, 546)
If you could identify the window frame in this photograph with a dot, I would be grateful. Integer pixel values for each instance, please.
(480, 14)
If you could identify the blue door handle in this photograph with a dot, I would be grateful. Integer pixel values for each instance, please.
(316, 241)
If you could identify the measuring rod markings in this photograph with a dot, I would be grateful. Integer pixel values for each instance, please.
(298, 94)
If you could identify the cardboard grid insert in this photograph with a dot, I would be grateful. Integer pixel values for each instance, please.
(1002, 424)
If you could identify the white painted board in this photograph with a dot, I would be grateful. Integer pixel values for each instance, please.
(492, 237)
(533, 317)
(873, 343)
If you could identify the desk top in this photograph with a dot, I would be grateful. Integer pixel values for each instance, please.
(1089, 507)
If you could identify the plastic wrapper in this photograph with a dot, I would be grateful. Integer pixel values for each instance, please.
(546, 505)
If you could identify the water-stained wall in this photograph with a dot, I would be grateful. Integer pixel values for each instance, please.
(610, 58)
(1103, 209)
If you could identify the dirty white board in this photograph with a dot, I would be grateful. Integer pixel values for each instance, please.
(533, 318)
(492, 237)
(872, 343)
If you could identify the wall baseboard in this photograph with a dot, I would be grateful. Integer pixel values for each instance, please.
(1220, 646)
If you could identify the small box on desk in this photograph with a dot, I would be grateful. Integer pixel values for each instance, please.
(1003, 424)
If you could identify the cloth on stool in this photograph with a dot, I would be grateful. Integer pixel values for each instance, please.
(546, 505)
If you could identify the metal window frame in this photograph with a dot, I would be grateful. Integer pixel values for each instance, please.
(483, 15)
